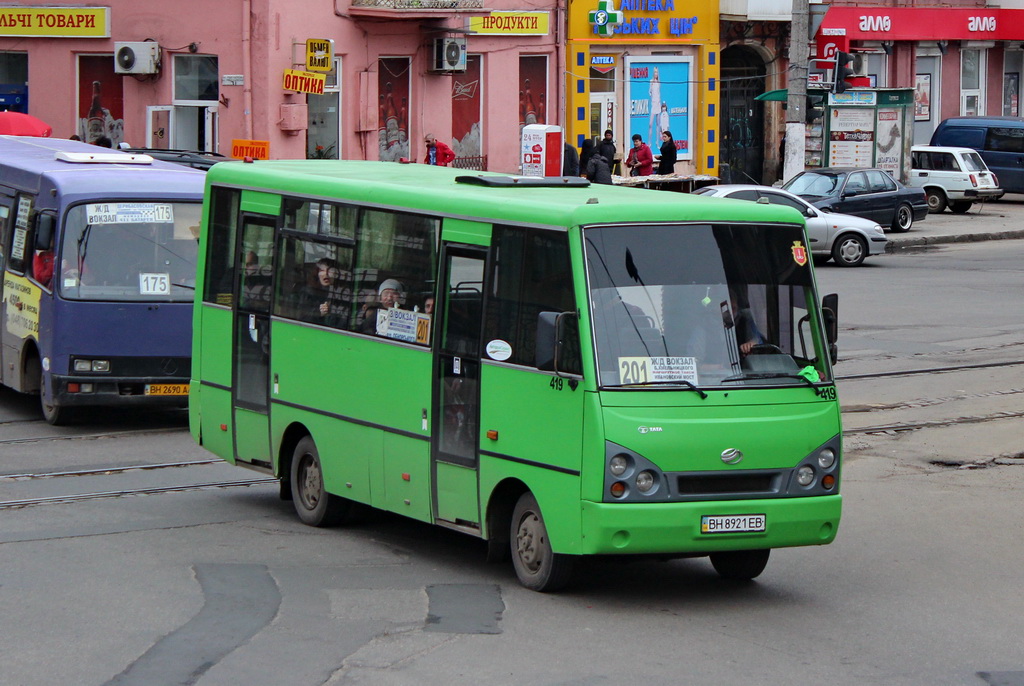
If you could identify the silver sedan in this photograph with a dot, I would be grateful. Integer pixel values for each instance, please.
(840, 237)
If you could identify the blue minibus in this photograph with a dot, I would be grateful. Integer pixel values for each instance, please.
(97, 251)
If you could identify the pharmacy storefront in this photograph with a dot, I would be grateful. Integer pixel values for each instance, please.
(644, 67)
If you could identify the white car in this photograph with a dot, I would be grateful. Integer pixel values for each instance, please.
(952, 177)
(841, 237)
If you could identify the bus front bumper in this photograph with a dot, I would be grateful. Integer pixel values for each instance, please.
(675, 528)
(82, 391)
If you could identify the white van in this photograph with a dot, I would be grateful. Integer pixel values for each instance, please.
(952, 177)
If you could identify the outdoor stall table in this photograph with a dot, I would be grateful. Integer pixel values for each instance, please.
(667, 182)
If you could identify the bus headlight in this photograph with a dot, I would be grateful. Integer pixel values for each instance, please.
(83, 365)
(644, 482)
(826, 458)
(618, 464)
(805, 475)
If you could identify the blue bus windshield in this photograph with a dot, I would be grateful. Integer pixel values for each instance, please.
(129, 251)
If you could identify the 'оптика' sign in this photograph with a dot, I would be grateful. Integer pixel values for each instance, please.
(304, 81)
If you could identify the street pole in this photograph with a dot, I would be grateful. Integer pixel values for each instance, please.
(799, 56)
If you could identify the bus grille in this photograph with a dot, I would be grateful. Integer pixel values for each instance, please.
(725, 484)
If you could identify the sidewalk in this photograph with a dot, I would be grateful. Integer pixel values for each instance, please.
(1002, 219)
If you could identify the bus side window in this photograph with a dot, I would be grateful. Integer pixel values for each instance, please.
(531, 274)
(393, 245)
(220, 263)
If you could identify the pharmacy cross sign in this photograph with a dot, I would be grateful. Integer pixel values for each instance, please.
(605, 18)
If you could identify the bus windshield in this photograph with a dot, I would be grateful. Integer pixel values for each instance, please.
(132, 251)
(701, 305)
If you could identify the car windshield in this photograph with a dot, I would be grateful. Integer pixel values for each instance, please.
(973, 162)
(815, 183)
(703, 305)
(130, 251)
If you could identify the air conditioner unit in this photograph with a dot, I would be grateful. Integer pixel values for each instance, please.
(860, 64)
(137, 58)
(449, 54)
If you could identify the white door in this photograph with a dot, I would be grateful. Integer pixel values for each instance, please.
(160, 127)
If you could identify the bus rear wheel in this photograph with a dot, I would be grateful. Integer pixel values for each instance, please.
(740, 565)
(536, 565)
(314, 505)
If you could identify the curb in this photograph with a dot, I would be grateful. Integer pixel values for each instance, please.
(895, 245)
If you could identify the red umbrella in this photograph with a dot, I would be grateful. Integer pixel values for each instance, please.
(18, 124)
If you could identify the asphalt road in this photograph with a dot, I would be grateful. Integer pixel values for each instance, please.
(221, 585)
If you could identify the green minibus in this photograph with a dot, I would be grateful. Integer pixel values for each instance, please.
(558, 368)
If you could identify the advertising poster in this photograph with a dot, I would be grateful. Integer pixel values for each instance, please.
(533, 80)
(922, 97)
(393, 120)
(660, 93)
(851, 139)
(466, 105)
(889, 141)
(100, 100)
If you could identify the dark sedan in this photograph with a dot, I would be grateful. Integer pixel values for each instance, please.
(868, 193)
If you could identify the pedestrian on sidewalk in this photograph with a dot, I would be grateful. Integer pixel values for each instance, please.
(437, 152)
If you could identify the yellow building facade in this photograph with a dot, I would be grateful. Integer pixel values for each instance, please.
(643, 67)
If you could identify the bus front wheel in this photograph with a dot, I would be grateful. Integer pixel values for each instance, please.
(536, 565)
(740, 565)
(314, 505)
(54, 414)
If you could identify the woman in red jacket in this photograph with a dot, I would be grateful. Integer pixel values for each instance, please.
(640, 160)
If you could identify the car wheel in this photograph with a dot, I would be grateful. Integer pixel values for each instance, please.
(849, 250)
(960, 207)
(936, 200)
(904, 219)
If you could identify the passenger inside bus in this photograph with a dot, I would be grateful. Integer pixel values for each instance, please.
(321, 302)
(390, 293)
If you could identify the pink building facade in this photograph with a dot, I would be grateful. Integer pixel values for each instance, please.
(253, 77)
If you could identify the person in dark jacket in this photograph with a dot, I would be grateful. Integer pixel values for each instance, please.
(667, 163)
(570, 161)
(598, 169)
(607, 148)
(586, 152)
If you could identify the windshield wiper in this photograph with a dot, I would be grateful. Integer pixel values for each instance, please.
(184, 285)
(678, 382)
(766, 375)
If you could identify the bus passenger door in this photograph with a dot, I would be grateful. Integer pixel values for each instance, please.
(251, 381)
(456, 404)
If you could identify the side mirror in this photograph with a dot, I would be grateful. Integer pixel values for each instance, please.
(44, 231)
(547, 341)
(555, 347)
(830, 315)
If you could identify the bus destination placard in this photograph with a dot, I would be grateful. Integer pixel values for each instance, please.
(130, 213)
